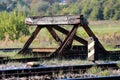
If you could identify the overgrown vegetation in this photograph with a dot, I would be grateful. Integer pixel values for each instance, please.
(12, 26)
(98, 71)
(14, 55)
(118, 65)
(94, 70)
(105, 73)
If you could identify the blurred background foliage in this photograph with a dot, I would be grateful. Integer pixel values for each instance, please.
(92, 9)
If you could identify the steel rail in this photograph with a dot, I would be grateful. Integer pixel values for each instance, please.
(24, 60)
(114, 52)
(96, 78)
(9, 49)
(46, 51)
(29, 49)
(34, 49)
(49, 70)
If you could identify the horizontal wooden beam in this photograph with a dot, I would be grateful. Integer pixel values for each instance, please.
(53, 20)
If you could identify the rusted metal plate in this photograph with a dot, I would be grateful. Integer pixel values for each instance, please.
(53, 20)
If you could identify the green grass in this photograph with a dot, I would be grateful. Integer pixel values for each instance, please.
(13, 55)
(94, 70)
(110, 47)
(108, 33)
(99, 31)
(105, 73)
(118, 65)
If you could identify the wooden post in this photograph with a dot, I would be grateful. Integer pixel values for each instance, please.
(54, 34)
(92, 49)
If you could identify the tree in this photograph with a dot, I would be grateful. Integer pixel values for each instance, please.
(117, 15)
(97, 12)
(55, 9)
(40, 7)
(116, 7)
(12, 25)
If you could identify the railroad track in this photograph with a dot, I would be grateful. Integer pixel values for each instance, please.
(43, 50)
(29, 49)
(9, 49)
(96, 78)
(24, 60)
(114, 55)
(53, 70)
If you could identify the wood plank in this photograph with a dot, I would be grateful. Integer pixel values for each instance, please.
(53, 20)
(43, 49)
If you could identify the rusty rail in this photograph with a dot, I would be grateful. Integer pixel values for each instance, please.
(96, 78)
(78, 52)
(49, 70)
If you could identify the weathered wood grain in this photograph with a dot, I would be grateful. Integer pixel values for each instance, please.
(53, 20)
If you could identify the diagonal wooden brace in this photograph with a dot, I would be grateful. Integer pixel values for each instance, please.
(29, 41)
(91, 34)
(67, 42)
(54, 34)
(62, 30)
(98, 48)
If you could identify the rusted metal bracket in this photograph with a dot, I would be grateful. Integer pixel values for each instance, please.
(92, 49)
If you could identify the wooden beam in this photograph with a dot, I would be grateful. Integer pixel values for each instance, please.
(67, 42)
(53, 20)
(88, 30)
(54, 34)
(62, 30)
(29, 41)
(91, 34)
